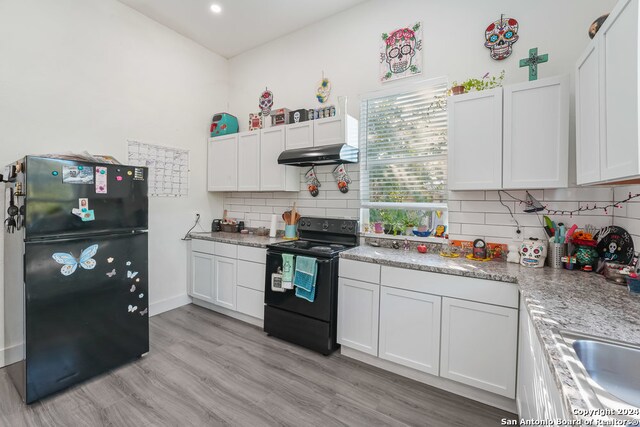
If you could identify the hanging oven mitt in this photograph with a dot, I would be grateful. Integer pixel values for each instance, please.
(288, 266)
(312, 182)
(342, 178)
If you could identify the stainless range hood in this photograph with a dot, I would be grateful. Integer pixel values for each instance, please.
(324, 155)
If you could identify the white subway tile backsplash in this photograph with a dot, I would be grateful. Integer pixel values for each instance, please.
(579, 193)
(482, 206)
(262, 209)
(467, 217)
(466, 195)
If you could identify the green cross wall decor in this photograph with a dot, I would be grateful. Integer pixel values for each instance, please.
(532, 62)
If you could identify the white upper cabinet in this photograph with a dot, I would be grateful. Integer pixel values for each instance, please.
(341, 129)
(299, 135)
(475, 140)
(275, 177)
(588, 115)
(223, 163)
(249, 161)
(607, 101)
(515, 137)
(536, 134)
(619, 41)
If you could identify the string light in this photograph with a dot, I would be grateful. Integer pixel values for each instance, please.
(584, 208)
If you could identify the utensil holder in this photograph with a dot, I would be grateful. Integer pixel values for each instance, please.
(291, 232)
(556, 252)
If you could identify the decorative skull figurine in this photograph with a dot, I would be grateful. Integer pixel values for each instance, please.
(533, 252)
(612, 255)
(500, 37)
(266, 102)
(296, 117)
(401, 48)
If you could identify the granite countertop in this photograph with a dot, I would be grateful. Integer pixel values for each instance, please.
(237, 238)
(555, 298)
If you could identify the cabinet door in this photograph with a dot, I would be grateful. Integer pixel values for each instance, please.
(299, 135)
(588, 115)
(536, 134)
(410, 329)
(251, 275)
(249, 161)
(329, 131)
(479, 345)
(224, 282)
(250, 302)
(273, 177)
(358, 309)
(202, 274)
(475, 140)
(223, 163)
(619, 150)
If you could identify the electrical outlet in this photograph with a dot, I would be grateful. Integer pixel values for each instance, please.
(518, 237)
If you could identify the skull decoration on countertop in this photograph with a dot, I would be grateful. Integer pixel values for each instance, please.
(500, 37)
(533, 252)
(266, 102)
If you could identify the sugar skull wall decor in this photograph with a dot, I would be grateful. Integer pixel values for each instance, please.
(266, 102)
(323, 91)
(500, 36)
(401, 53)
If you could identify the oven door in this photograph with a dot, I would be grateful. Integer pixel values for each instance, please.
(326, 289)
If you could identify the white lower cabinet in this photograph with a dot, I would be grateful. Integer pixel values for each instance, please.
(537, 397)
(479, 345)
(202, 266)
(410, 329)
(224, 282)
(229, 276)
(358, 311)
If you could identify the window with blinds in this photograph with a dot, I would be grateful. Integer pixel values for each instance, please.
(403, 142)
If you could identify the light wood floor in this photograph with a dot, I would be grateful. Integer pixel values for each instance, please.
(208, 369)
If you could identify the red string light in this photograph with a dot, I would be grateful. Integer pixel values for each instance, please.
(584, 208)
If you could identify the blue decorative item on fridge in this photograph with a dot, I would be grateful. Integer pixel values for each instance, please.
(223, 124)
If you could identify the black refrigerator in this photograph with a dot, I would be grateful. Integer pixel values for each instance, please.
(75, 271)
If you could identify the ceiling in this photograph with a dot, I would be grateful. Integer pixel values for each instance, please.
(242, 25)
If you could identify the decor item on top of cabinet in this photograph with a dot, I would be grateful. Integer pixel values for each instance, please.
(342, 178)
(255, 121)
(266, 102)
(500, 37)
(532, 62)
(280, 117)
(615, 244)
(533, 253)
(595, 26)
(324, 90)
(298, 116)
(312, 182)
(477, 85)
(401, 53)
(223, 124)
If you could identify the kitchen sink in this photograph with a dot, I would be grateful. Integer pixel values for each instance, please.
(606, 370)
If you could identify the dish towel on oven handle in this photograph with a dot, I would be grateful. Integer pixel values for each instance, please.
(288, 263)
(304, 278)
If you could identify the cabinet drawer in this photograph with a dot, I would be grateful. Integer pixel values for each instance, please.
(481, 290)
(358, 270)
(205, 246)
(251, 275)
(226, 250)
(250, 302)
(249, 253)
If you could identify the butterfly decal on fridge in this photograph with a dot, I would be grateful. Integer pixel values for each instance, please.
(70, 263)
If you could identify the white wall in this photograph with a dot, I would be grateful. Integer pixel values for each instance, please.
(346, 46)
(88, 75)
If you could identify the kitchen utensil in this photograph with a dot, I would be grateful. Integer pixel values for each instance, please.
(572, 230)
(556, 253)
(286, 216)
(294, 213)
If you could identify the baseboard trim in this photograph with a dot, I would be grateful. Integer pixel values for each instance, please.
(236, 315)
(168, 304)
(10, 355)
(472, 393)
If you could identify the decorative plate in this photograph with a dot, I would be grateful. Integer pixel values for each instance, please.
(615, 244)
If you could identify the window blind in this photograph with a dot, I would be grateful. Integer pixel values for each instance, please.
(403, 143)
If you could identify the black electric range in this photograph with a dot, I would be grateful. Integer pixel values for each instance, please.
(288, 317)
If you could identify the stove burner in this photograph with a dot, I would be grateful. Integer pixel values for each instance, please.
(322, 248)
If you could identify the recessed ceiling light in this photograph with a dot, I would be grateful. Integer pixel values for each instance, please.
(215, 8)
